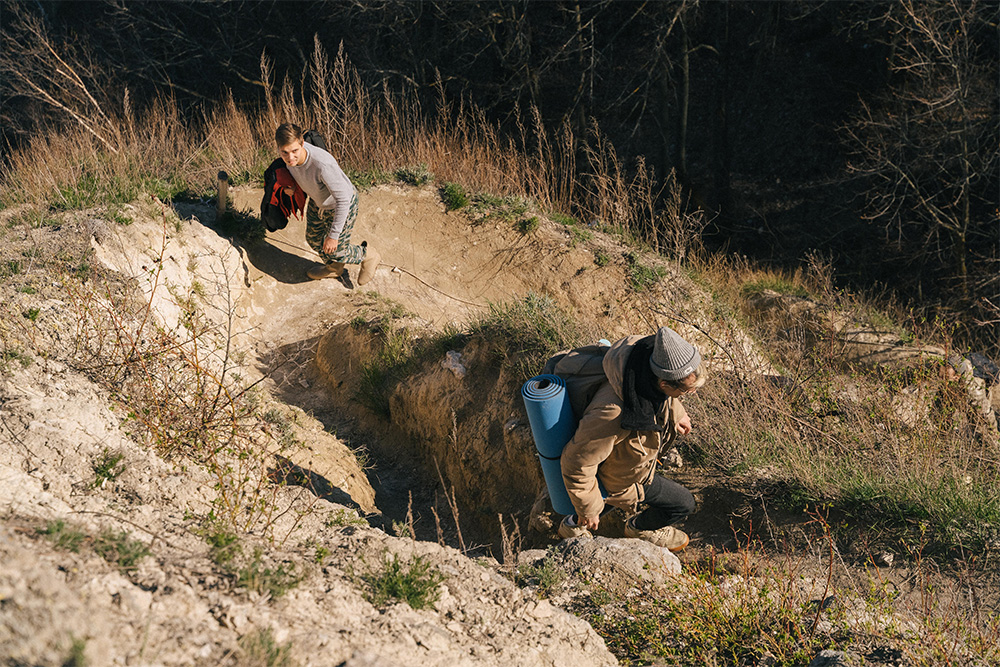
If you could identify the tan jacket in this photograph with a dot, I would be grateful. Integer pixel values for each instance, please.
(601, 449)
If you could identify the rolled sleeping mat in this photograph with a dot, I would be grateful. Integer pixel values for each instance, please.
(552, 426)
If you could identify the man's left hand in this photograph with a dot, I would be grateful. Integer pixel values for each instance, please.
(684, 425)
(329, 246)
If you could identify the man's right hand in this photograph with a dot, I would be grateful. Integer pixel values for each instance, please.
(590, 523)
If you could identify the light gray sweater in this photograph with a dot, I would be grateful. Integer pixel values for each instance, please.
(326, 184)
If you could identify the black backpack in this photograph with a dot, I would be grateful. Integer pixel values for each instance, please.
(272, 216)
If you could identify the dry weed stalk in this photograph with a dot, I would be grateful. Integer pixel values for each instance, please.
(453, 506)
(183, 392)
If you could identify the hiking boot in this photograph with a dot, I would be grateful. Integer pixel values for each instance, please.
(326, 271)
(368, 266)
(668, 537)
(567, 531)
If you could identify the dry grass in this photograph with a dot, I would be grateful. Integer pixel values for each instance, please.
(156, 150)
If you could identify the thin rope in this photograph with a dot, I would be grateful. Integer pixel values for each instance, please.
(394, 268)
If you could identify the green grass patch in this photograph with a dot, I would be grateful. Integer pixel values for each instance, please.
(416, 175)
(454, 196)
(487, 207)
(119, 549)
(62, 535)
(370, 177)
(392, 360)
(523, 334)
(641, 276)
(546, 575)
(578, 235)
(528, 225)
(775, 283)
(415, 583)
(563, 219)
(601, 258)
(31, 314)
(16, 355)
(260, 649)
(275, 582)
(107, 467)
(224, 545)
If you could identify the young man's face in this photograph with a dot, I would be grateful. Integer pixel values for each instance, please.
(293, 154)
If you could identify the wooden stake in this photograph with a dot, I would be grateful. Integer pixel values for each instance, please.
(223, 194)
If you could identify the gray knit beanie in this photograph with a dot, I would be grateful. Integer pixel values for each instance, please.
(673, 357)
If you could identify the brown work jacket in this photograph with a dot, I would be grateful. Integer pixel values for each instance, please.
(601, 449)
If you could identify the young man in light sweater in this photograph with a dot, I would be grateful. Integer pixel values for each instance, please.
(332, 208)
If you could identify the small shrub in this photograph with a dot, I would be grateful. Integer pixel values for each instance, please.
(118, 549)
(31, 314)
(454, 196)
(106, 467)
(528, 225)
(342, 518)
(414, 583)
(264, 580)
(640, 276)
(259, 649)
(601, 258)
(15, 355)
(63, 536)
(545, 575)
(224, 545)
(416, 175)
(12, 267)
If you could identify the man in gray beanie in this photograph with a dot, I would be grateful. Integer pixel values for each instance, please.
(633, 416)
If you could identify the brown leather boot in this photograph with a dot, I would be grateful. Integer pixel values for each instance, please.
(667, 537)
(368, 266)
(326, 271)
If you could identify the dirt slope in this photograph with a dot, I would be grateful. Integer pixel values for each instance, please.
(439, 266)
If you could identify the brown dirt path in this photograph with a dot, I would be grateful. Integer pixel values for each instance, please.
(438, 265)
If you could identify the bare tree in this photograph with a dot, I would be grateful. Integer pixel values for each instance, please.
(929, 146)
(55, 80)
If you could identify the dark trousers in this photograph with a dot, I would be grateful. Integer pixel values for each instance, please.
(667, 502)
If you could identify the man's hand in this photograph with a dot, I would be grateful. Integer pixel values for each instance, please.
(329, 246)
(590, 523)
(684, 425)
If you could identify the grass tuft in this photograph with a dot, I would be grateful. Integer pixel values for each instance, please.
(62, 535)
(454, 196)
(119, 549)
(416, 175)
(415, 583)
(523, 334)
(261, 649)
(106, 467)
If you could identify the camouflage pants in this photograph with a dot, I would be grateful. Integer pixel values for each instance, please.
(317, 227)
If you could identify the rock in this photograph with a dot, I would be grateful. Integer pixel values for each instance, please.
(617, 560)
(884, 558)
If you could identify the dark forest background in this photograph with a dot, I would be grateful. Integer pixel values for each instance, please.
(865, 134)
